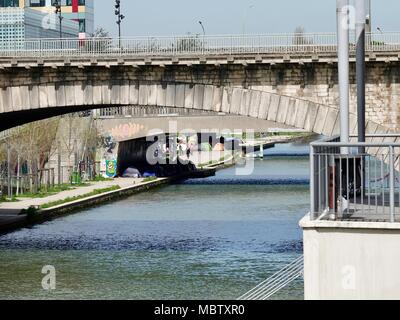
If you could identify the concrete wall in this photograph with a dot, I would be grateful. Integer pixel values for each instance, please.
(354, 260)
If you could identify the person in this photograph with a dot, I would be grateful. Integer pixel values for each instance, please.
(188, 152)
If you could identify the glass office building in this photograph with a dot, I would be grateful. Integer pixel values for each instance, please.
(36, 19)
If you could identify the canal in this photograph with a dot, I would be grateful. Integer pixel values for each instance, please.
(204, 239)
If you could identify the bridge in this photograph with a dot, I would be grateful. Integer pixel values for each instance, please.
(289, 79)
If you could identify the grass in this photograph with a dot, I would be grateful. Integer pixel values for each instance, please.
(101, 179)
(149, 179)
(86, 195)
(4, 199)
(43, 193)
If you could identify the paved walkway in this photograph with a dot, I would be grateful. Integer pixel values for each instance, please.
(8, 209)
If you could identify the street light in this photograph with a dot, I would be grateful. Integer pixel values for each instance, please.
(57, 11)
(202, 26)
(204, 34)
(120, 17)
(246, 14)
(369, 18)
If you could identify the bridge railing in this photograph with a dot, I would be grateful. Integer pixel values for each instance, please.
(192, 45)
(356, 181)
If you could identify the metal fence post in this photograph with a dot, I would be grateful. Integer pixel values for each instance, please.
(391, 181)
(312, 184)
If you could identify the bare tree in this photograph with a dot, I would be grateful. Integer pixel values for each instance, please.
(300, 38)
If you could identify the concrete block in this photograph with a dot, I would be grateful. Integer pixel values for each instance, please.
(6, 99)
(264, 105)
(161, 95)
(87, 93)
(330, 122)
(198, 96)
(226, 99)
(273, 107)
(143, 94)
(97, 93)
(43, 101)
(255, 101)
(180, 95)
(217, 99)
(302, 111)
(152, 101)
(245, 102)
(25, 97)
(237, 94)
(311, 116)
(189, 96)
(124, 93)
(321, 118)
(353, 125)
(291, 112)
(115, 96)
(60, 95)
(69, 94)
(105, 93)
(283, 109)
(133, 93)
(79, 97)
(170, 98)
(16, 98)
(208, 97)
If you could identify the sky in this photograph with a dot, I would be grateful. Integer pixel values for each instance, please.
(178, 17)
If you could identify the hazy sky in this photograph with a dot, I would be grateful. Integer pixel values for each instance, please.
(176, 17)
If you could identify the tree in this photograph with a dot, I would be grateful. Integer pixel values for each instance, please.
(299, 37)
(100, 41)
(189, 43)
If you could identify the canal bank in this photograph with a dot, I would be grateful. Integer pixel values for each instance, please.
(30, 211)
(15, 215)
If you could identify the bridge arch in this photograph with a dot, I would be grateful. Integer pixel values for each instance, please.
(26, 103)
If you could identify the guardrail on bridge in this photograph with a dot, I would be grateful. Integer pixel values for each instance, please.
(193, 45)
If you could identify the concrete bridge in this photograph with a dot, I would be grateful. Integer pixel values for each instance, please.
(287, 79)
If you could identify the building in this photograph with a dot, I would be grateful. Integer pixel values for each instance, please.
(36, 19)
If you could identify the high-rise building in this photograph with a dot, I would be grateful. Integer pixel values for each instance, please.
(36, 18)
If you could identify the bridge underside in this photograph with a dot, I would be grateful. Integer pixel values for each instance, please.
(29, 103)
(53, 94)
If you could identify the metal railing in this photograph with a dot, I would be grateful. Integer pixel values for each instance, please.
(193, 45)
(356, 181)
(277, 281)
(147, 112)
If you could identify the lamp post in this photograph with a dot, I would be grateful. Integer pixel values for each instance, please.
(204, 34)
(57, 11)
(360, 68)
(202, 26)
(251, 6)
(368, 27)
(343, 66)
(120, 17)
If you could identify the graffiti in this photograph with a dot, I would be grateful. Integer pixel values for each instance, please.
(108, 144)
(126, 131)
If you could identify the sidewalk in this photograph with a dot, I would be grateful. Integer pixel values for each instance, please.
(13, 208)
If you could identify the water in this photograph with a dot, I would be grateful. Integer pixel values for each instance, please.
(204, 239)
